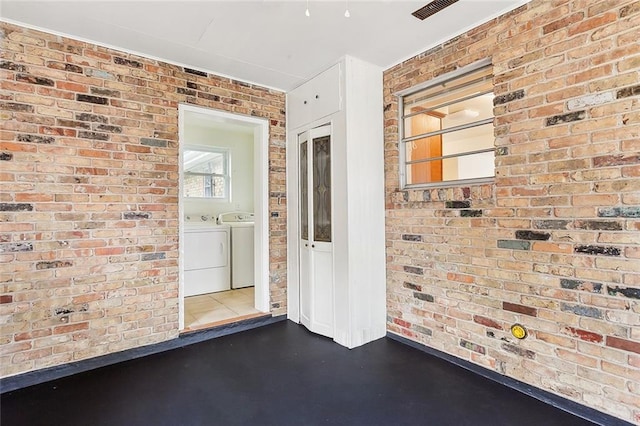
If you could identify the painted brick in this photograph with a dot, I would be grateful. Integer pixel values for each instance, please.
(590, 100)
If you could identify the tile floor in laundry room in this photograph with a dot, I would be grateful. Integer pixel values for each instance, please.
(211, 309)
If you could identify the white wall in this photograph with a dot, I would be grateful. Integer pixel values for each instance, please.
(240, 146)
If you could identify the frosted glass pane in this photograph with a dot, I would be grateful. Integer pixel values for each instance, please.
(322, 189)
(304, 192)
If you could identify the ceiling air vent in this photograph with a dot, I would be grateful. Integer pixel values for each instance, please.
(432, 8)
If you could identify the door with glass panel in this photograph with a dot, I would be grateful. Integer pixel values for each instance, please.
(316, 255)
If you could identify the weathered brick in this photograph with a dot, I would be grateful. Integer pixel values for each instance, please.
(581, 285)
(566, 118)
(633, 293)
(91, 117)
(154, 142)
(514, 244)
(6, 156)
(15, 247)
(413, 270)
(628, 91)
(503, 99)
(598, 225)
(136, 215)
(93, 135)
(16, 207)
(552, 224)
(586, 311)
(487, 322)
(195, 72)
(624, 344)
(473, 346)
(92, 99)
(32, 79)
(514, 349)
(597, 250)
(615, 160)
(632, 211)
(412, 286)
(127, 62)
(470, 213)
(12, 66)
(36, 139)
(520, 309)
(54, 264)
(458, 204)
(152, 256)
(585, 335)
(532, 235)
(411, 237)
(424, 297)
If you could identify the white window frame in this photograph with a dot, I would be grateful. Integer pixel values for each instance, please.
(226, 175)
(402, 141)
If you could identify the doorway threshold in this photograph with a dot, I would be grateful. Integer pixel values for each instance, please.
(224, 322)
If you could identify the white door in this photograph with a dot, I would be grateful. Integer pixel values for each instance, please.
(316, 256)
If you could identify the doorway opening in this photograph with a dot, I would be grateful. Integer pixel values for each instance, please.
(223, 180)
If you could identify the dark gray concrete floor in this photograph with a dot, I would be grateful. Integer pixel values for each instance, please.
(279, 374)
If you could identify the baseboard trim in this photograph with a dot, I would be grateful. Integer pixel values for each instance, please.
(31, 378)
(557, 401)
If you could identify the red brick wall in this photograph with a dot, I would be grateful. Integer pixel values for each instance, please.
(89, 199)
(553, 243)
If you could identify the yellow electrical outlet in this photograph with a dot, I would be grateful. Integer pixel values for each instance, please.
(518, 331)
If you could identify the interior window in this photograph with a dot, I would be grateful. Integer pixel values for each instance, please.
(206, 173)
(446, 131)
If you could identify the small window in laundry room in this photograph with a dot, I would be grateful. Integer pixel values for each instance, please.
(206, 173)
(446, 129)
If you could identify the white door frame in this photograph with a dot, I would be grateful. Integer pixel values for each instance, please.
(260, 199)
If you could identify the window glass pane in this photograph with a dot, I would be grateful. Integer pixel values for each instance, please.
(450, 127)
(204, 162)
(304, 192)
(205, 174)
(322, 189)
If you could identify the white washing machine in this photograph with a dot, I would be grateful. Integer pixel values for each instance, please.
(242, 247)
(206, 258)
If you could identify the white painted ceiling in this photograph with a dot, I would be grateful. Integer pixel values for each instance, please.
(268, 42)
